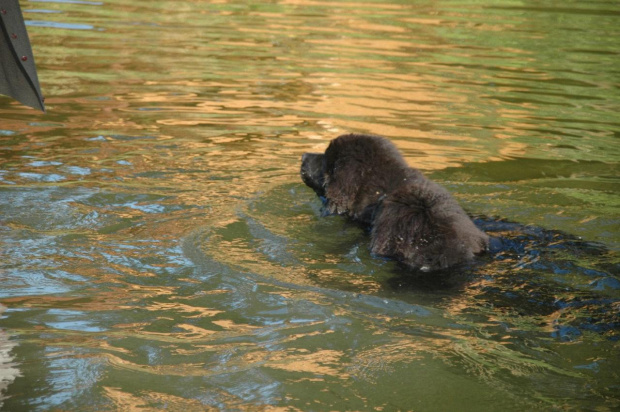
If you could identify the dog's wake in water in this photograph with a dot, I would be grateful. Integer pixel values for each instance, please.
(528, 270)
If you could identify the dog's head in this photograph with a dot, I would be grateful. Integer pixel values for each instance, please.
(354, 174)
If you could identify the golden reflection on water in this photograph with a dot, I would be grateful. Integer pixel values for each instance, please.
(179, 307)
(128, 401)
(322, 362)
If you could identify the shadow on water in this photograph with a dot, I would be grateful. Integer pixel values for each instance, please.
(532, 271)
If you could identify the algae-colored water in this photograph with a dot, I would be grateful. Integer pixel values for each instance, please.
(159, 250)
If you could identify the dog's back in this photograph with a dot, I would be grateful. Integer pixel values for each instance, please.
(423, 226)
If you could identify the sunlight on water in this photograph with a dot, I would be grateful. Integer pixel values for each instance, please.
(159, 250)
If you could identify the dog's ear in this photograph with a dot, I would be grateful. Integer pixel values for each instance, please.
(343, 180)
(343, 176)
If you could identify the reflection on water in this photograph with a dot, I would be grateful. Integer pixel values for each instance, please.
(159, 250)
(8, 369)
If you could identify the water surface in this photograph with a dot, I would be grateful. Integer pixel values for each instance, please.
(159, 250)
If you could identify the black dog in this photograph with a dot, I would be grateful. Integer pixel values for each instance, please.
(412, 218)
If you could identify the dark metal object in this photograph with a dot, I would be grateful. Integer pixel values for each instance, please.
(18, 74)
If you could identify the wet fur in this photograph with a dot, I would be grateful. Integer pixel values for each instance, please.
(412, 218)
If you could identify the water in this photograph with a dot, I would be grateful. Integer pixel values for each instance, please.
(159, 250)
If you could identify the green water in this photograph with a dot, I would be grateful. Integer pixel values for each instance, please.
(158, 249)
